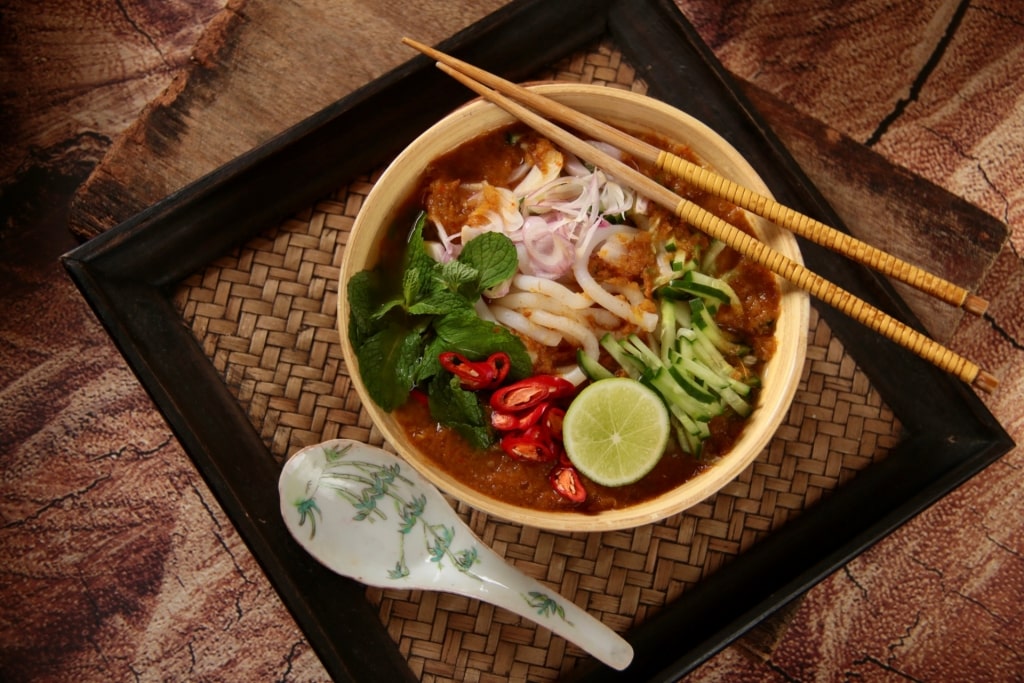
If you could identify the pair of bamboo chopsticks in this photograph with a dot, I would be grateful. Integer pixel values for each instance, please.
(495, 89)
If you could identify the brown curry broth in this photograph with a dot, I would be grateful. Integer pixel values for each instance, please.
(525, 484)
(490, 157)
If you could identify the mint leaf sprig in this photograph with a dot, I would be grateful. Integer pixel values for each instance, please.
(399, 330)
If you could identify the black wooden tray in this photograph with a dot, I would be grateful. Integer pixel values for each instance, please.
(129, 274)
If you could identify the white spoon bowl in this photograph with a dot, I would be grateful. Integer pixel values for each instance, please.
(367, 514)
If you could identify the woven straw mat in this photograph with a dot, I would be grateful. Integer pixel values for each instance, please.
(266, 317)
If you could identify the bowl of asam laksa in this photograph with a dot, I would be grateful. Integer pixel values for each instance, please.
(548, 346)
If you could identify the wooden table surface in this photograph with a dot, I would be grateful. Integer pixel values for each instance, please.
(117, 561)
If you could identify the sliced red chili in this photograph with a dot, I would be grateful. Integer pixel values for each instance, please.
(528, 446)
(553, 421)
(563, 459)
(566, 482)
(540, 432)
(477, 375)
(507, 422)
(500, 363)
(420, 396)
(528, 393)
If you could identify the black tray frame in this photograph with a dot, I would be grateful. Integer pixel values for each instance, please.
(128, 276)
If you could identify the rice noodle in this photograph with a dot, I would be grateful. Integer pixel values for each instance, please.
(532, 301)
(520, 323)
(483, 311)
(601, 296)
(529, 283)
(630, 290)
(569, 327)
(603, 318)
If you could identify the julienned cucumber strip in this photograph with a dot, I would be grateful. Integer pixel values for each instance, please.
(705, 322)
(709, 262)
(712, 290)
(687, 362)
(591, 367)
(690, 374)
(633, 367)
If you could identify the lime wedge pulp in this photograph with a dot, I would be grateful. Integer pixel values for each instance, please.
(615, 431)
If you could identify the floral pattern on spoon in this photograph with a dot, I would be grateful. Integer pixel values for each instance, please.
(364, 513)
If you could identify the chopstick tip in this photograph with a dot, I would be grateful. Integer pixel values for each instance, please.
(986, 381)
(420, 47)
(975, 304)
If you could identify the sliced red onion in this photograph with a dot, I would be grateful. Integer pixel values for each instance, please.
(615, 199)
(548, 254)
(450, 248)
(573, 166)
(610, 150)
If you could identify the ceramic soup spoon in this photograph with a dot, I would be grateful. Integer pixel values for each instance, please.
(366, 514)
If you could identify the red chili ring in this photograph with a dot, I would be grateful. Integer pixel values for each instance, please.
(566, 482)
(508, 422)
(477, 375)
(522, 446)
(529, 392)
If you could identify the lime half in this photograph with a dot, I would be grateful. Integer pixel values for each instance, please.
(615, 431)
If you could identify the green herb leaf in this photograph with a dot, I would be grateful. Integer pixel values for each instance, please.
(452, 405)
(416, 256)
(475, 338)
(430, 365)
(362, 290)
(494, 257)
(387, 364)
(387, 307)
(400, 326)
(441, 302)
(462, 278)
(417, 283)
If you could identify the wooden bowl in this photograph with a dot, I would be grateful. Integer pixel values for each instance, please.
(636, 113)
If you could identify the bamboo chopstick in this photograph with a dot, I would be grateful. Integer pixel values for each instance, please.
(745, 244)
(712, 183)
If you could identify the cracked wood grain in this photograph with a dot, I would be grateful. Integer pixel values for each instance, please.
(790, 49)
(921, 79)
(938, 231)
(78, 73)
(262, 68)
(117, 562)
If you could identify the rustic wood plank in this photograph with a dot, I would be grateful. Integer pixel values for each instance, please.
(77, 73)
(261, 67)
(964, 128)
(847, 63)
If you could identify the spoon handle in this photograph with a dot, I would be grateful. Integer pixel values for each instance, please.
(382, 523)
(507, 587)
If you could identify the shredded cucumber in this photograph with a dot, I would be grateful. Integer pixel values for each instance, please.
(690, 361)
